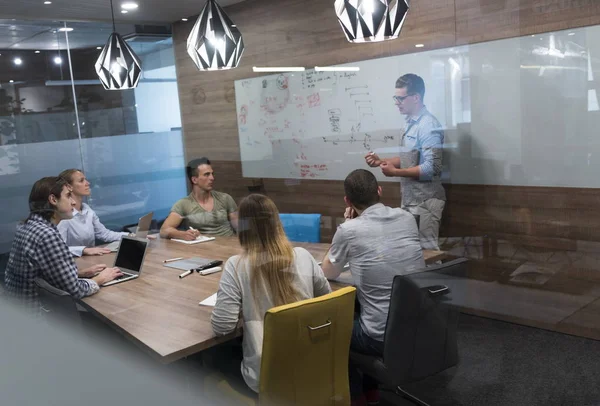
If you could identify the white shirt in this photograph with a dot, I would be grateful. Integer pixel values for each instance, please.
(84, 229)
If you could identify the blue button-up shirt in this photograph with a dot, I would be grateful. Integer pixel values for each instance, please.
(84, 229)
(422, 145)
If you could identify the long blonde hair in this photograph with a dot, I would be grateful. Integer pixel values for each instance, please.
(268, 251)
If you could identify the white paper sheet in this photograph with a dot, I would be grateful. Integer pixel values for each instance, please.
(209, 301)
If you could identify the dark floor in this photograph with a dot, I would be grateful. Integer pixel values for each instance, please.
(508, 364)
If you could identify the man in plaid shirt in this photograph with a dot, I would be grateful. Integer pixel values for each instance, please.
(39, 251)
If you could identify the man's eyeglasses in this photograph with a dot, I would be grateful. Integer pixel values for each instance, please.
(400, 99)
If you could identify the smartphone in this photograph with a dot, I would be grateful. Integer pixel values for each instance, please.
(436, 290)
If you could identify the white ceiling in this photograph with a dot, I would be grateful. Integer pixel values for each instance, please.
(149, 11)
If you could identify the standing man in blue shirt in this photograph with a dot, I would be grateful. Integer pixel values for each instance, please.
(419, 164)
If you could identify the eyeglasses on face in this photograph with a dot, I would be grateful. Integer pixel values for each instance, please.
(400, 99)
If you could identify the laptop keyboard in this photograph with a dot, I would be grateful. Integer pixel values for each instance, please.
(125, 275)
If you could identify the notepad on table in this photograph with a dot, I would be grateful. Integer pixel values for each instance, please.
(200, 238)
(209, 301)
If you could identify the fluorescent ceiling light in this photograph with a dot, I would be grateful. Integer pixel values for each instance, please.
(98, 47)
(337, 68)
(129, 6)
(279, 69)
(571, 33)
(37, 52)
(124, 11)
(419, 46)
(11, 81)
(65, 29)
(47, 2)
(184, 19)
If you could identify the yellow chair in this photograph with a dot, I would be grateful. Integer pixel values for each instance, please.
(305, 355)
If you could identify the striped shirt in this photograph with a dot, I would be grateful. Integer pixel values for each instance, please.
(422, 145)
(39, 251)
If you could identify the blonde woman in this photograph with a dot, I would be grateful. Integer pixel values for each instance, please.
(268, 273)
(81, 232)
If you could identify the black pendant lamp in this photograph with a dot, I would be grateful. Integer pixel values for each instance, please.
(118, 67)
(215, 42)
(371, 20)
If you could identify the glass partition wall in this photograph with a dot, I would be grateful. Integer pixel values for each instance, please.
(55, 115)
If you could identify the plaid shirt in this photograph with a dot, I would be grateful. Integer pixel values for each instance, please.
(39, 251)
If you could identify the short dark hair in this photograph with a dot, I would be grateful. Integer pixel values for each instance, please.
(41, 191)
(414, 84)
(361, 188)
(192, 167)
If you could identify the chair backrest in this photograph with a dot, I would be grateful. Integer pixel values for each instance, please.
(301, 227)
(305, 351)
(57, 304)
(420, 336)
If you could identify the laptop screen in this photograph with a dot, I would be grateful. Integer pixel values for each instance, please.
(131, 254)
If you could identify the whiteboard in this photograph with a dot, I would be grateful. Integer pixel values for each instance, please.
(519, 111)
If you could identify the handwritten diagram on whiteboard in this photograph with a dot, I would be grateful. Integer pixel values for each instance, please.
(317, 125)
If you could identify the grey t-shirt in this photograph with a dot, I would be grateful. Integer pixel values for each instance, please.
(235, 294)
(379, 244)
(215, 222)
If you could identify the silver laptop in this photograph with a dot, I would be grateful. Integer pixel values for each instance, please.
(142, 230)
(130, 259)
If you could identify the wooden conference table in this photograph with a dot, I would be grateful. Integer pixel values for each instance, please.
(159, 312)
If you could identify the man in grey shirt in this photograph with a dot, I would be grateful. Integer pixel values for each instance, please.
(378, 242)
(419, 164)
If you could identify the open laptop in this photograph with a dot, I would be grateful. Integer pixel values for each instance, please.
(142, 230)
(130, 259)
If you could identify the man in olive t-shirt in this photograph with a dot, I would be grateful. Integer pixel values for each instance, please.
(203, 211)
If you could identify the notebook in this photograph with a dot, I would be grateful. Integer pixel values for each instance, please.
(200, 238)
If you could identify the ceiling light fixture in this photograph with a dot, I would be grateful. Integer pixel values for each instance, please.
(18, 61)
(278, 69)
(419, 45)
(118, 67)
(215, 43)
(57, 60)
(571, 34)
(371, 20)
(47, 2)
(37, 52)
(11, 81)
(129, 6)
(65, 29)
(184, 19)
(337, 68)
(124, 11)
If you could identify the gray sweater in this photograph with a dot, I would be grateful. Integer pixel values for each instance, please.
(235, 294)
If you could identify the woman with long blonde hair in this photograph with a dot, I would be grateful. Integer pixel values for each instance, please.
(270, 272)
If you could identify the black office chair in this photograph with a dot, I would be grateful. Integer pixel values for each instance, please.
(57, 305)
(420, 336)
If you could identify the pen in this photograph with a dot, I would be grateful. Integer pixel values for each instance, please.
(210, 270)
(186, 273)
(171, 260)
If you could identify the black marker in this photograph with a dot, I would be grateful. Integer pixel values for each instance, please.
(211, 264)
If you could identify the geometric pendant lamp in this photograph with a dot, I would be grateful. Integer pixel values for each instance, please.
(118, 67)
(371, 20)
(215, 42)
